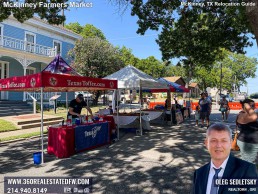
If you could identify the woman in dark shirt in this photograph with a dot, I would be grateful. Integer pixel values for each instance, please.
(248, 126)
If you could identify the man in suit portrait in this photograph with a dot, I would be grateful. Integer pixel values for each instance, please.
(222, 165)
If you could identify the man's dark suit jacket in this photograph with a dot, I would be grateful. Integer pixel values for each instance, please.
(235, 168)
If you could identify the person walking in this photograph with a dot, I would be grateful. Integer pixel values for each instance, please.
(210, 105)
(205, 109)
(247, 124)
(197, 115)
(224, 108)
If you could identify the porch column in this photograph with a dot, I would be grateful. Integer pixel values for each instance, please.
(24, 73)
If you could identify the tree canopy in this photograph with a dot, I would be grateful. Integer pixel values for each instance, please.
(196, 32)
(152, 66)
(75, 27)
(100, 58)
(95, 57)
(88, 30)
(127, 56)
(235, 69)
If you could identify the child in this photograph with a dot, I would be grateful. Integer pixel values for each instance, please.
(197, 115)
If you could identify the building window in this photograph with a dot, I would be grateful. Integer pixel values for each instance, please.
(4, 73)
(58, 45)
(1, 34)
(4, 69)
(30, 39)
(30, 70)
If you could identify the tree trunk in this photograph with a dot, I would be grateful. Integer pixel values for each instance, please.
(97, 95)
(252, 14)
(188, 79)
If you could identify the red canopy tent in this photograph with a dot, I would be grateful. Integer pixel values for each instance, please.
(55, 82)
(170, 88)
(57, 76)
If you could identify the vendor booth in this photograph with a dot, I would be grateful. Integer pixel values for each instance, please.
(131, 78)
(176, 114)
(178, 88)
(65, 141)
(59, 76)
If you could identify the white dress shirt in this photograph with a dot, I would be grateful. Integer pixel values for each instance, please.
(212, 173)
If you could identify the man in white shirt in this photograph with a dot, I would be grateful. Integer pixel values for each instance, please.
(218, 142)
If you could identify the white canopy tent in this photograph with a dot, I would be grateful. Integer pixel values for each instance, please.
(130, 77)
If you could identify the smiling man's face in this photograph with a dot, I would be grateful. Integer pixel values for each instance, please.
(218, 144)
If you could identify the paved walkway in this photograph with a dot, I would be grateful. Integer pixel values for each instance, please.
(161, 161)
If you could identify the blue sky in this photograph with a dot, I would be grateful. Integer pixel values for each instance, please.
(120, 29)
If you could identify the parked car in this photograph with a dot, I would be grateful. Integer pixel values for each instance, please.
(122, 97)
(228, 97)
(240, 97)
(86, 95)
(108, 95)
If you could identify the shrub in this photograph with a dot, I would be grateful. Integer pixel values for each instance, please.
(255, 96)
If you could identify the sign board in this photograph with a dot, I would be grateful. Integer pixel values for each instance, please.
(54, 97)
(179, 117)
(52, 100)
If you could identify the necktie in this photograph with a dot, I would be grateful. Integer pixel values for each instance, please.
(214, 189)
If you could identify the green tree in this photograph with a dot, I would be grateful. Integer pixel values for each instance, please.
(242, 67)
(175, 70)
(236, 68)
(75, 27)
(196, 34)
(127, 56)
(94, 57)
(86, 31)
(210, 77)
(254, 95)
(91, 31)
(152, 66)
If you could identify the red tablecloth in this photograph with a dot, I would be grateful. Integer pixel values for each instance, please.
(61, 141)
(111, 120)
(112, 126)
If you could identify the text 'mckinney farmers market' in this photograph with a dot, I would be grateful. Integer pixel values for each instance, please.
(48, 5)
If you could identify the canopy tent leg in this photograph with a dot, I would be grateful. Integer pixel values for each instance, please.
(169, 107)
(114, 101)
(87, 112)
(41, 125)
(117, 118)
(140, 97)
(66, 101)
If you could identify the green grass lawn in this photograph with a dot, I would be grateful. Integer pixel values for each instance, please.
(7, 126)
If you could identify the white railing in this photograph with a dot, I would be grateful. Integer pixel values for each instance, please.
(17, 44)
(36, 95)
